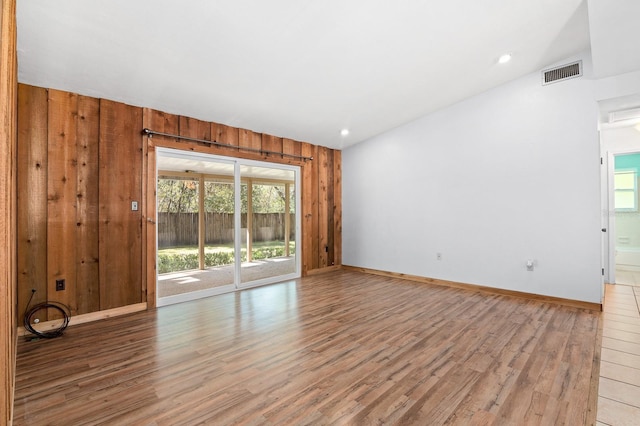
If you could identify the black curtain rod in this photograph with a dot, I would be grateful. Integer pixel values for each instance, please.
(151, 133)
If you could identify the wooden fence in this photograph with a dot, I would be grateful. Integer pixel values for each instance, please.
(181, 229)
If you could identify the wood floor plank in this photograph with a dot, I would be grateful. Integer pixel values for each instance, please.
(338, 348)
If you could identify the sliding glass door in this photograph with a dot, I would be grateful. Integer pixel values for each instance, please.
(223, 224)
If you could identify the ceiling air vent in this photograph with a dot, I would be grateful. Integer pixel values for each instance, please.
(561, 73)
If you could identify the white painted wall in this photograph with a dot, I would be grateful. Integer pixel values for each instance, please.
(620, 139)
(509, 175)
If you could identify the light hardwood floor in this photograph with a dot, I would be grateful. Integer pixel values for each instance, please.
(619, 389)
(337, 348)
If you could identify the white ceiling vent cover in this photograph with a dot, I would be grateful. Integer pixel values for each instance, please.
(561, 73)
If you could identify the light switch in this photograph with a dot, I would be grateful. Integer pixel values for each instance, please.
(134, 206)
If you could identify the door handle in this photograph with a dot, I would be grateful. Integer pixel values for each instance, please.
(604, 229)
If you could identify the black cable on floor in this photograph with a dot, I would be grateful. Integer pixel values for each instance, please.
(30, 313)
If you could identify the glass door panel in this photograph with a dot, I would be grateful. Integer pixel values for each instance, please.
(219, 244)
(268, 223)
(177, 207)
(195, 207)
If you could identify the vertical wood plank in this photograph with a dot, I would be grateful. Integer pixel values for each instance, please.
(162, 121)
(330, 209)
(225, 134)
(32, 196)
(144, 210)
(148, 236)
(273, 144)
(249, 139)
(291, 147)
(120, 183)
(308, 200)
(61, 199)
(166, 123)
(193, 128)
(87, 271)
(323, 207)
(337, 206)
(149, 258)
(8, 148)
(315, 232)
(144, 248)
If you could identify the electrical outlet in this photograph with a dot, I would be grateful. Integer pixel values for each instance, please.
(134, 206)
(438, 256)
(59, 285)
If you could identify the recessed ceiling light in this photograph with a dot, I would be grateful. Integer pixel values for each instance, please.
(504, 58)
(344, 132)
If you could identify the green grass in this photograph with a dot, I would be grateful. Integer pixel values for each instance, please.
(174, 259)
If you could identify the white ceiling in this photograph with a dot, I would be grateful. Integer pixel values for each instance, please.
(299, 69)
(615, 36)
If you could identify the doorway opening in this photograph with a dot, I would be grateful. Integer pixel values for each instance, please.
(223, 224)
(626, 217)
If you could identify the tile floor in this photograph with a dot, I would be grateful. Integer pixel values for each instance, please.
(627, 277)
(619, 385)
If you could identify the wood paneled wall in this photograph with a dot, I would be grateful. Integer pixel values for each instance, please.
(8, 136)
(82, 161)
